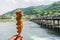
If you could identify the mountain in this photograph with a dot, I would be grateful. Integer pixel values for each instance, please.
(33, 10)
(54, 8)
(41, 10)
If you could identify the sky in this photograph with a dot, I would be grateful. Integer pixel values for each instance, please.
(8, 5)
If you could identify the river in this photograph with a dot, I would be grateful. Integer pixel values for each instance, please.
(31, 31)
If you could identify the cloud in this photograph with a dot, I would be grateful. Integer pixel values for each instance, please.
(54, 0)
(35, 2)
(12, 1)
(26, 3)
(26, 0)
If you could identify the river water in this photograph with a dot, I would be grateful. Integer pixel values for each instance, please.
(31, 31)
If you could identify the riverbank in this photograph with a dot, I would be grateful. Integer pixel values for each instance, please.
(7, 20)
(11, 20)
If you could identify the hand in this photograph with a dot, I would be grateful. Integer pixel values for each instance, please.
(16, 37)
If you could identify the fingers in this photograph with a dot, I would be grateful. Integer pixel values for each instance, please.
(20, 37)
(13, 37)
(16, 37)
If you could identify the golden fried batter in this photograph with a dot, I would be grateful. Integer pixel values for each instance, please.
(19, 21)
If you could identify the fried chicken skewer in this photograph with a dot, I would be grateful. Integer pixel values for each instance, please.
(19, 21)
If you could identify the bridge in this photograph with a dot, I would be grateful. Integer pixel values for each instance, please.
(48, 21)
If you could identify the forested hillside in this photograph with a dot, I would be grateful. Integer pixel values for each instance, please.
(54, 8)
(38, 11)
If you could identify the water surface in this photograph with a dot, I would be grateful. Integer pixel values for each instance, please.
(31, 31)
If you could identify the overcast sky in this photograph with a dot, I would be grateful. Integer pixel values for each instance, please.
(8, 5)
